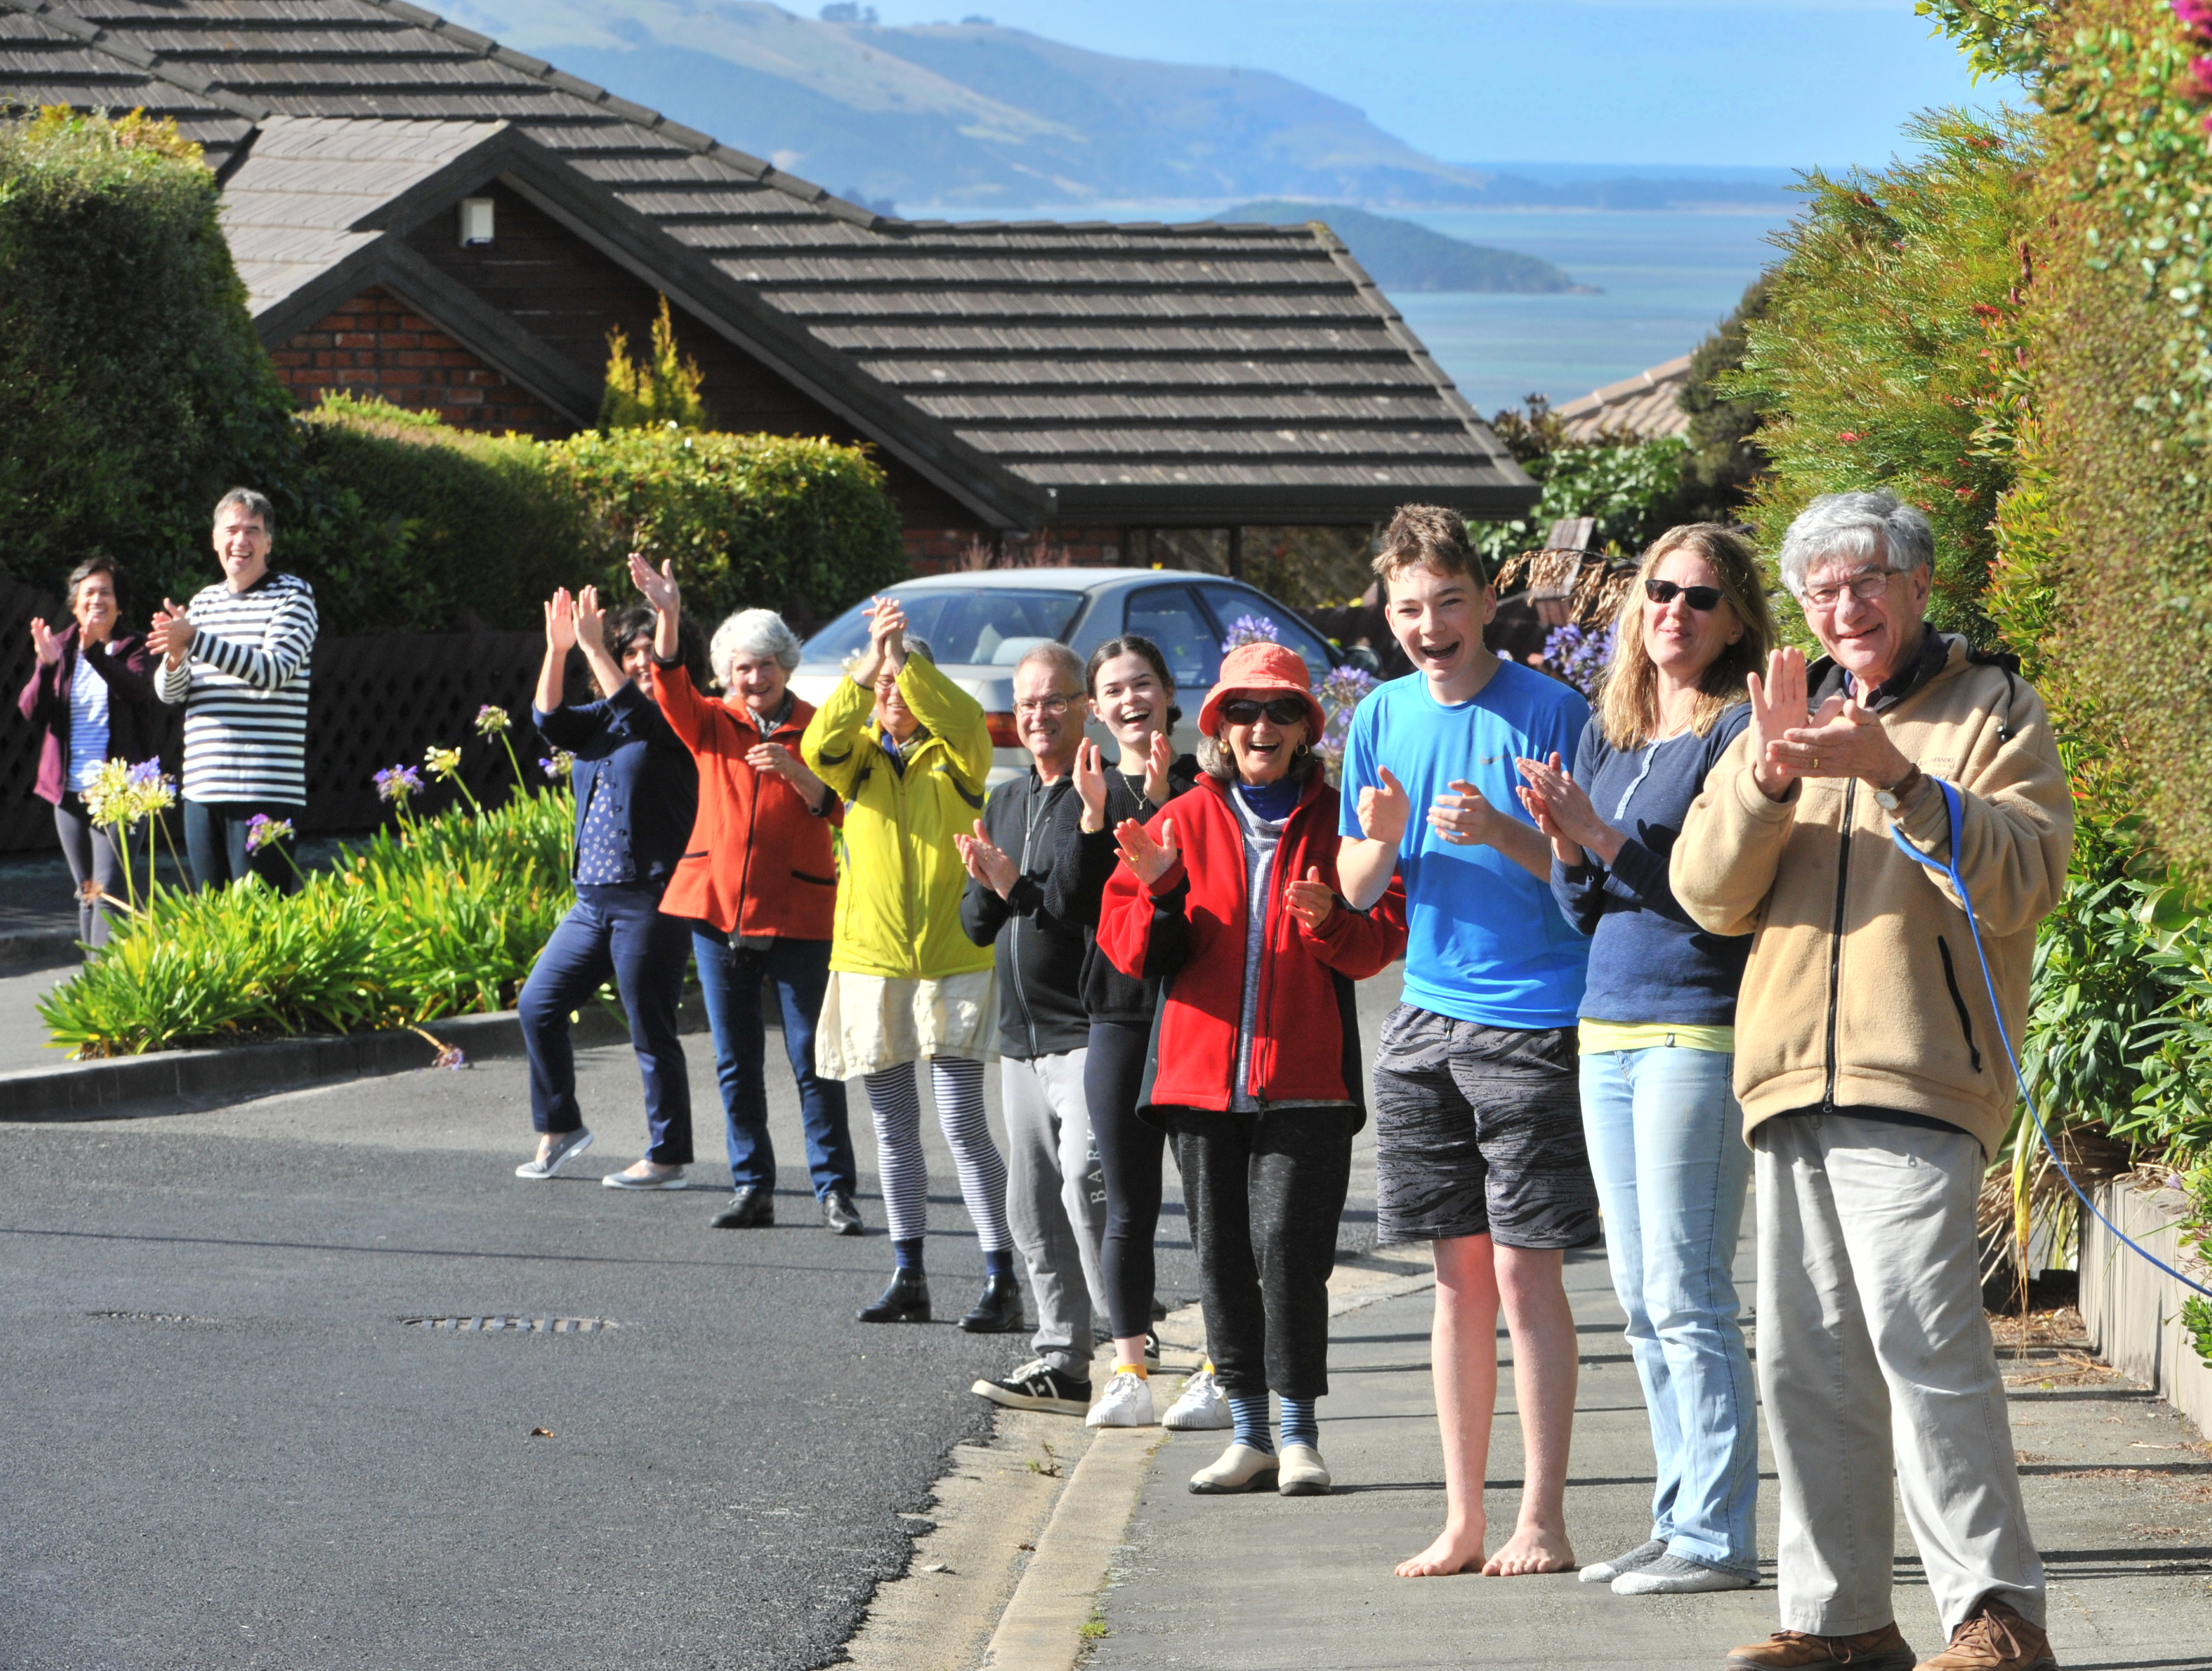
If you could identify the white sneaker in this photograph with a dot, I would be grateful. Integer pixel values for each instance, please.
(646, 1174)
(1202, 1406)
(565, 1147)
(1302, 1472)
(1126, 1402)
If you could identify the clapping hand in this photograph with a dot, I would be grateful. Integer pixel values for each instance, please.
(1159, 755)
(46, 642)
(1465, 818)
(1385, 811)
(659, 586)
(560, 622)
(173, 632)
(1150, 860)
(1844, 740)
(1091, 785)
(1562, 809)
(590, 617)
(1312, 901)
(987, 864)
(1777, 706)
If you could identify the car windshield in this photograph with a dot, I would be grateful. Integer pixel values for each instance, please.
(986, 627)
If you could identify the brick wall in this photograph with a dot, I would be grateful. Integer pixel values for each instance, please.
(377, 345)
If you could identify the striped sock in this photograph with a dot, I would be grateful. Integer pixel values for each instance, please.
(1251, 1417)
(907, 1256)
(1301, 1426)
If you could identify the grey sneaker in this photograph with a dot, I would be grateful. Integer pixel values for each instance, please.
(1673, 1575)
(646, 1174)
(1604, 1572)
(567, 1145)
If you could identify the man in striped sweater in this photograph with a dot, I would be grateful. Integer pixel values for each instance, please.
(238, 660)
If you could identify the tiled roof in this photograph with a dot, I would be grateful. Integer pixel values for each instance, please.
(1247, 373)
(1642, 405)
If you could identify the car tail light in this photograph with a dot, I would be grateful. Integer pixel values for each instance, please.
(1003, 733)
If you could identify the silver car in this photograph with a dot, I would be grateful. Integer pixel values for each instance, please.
(979, 625)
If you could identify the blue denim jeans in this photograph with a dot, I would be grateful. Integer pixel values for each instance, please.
(1666, 1143)
(730, 981)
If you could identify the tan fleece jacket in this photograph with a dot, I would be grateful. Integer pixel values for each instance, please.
(1862, 986)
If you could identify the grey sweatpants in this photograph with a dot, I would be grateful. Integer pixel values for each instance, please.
(1055, 1202)
(1873, 1354)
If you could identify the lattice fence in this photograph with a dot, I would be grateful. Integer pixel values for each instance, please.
(377, 701)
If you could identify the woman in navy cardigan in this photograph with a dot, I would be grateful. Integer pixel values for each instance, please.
(1658, 1041)
(92, 693)
(637, 793)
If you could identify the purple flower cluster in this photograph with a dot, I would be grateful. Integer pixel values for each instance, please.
(1577, 656)
(261, 830)
(396, 783)
(1250, 630)
(145, 773)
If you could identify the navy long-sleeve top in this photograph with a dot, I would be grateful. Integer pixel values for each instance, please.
(633, 767)
(1648, 961)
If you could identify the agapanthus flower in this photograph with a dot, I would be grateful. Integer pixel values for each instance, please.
(261, 830)
(396, 783)
(443, 762)
(1250, 630)
(559, 765)
(1577, 656)
(492, 721)
(121, 794)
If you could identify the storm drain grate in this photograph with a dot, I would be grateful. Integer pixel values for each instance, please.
(514, 1325)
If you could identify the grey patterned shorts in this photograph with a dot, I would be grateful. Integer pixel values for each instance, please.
(1479, 1129)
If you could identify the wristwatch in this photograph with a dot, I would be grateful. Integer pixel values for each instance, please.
(1890, 799)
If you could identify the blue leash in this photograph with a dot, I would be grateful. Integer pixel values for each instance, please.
(1974, 928)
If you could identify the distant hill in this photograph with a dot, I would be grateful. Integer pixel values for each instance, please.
(992, 120)
(1403, 255)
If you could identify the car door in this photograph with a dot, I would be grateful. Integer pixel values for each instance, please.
(1172, 617)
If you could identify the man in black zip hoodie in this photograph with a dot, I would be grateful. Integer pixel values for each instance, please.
(1055, 1196)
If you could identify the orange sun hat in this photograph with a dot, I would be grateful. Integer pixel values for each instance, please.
(1261, 670)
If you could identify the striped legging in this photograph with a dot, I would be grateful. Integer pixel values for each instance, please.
(956, 1082)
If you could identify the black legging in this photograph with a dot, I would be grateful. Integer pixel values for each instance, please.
(1131, 1153)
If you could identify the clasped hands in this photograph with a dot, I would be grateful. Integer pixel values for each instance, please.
(1844, 739)
(172, 633)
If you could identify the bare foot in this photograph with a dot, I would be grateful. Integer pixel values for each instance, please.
(1456, 1550)
(1530, 1550)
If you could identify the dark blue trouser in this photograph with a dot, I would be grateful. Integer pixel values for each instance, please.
(730, 983)
(214, 844)
(613, 929)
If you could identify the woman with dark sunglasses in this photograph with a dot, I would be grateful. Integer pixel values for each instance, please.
(1657, 1035)
(1229, 893)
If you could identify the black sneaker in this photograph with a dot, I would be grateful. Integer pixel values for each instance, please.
(1151, 1349)
(1035, 1387)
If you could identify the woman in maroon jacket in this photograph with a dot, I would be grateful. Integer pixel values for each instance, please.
(1230, 896)
(93, 692)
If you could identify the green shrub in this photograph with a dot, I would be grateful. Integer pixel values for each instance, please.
(1635, 491)
(779, 522)
(133, 390)
(476, 525)
(443, 916)
(1725, 456)
(1884, 340)
(663, 390)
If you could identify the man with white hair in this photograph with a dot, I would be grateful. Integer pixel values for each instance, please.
(1874, 1086)
(759, 881)
(1055, 1191)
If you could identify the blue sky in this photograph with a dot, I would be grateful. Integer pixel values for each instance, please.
(1766, 83)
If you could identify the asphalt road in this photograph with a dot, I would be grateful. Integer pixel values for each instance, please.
(226, 1447)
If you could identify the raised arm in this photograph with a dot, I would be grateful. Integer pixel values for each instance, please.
(835, 745)
(951, 714)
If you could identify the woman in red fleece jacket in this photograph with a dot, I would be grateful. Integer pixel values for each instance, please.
(1230, 896)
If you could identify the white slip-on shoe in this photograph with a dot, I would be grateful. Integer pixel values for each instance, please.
(1203, 1405)
(565, 1147)
(1126, 1402)
(1676, 1575)
(654, 1176)
(1302, 1472)
(1604, 1572)
(1239, 1468)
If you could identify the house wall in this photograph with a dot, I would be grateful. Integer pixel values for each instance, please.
(377, 345)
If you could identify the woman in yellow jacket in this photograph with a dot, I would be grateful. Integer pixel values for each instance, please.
(908, 752)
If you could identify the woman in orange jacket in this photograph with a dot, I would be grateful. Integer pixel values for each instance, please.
(760, 880)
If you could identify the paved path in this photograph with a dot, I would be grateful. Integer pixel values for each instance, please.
(2120, 1493)
(226, 1449)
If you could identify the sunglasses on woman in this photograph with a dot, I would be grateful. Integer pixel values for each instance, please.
(1243, 710)
(1699, 598)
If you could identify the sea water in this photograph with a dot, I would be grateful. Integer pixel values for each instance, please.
(1664, 279)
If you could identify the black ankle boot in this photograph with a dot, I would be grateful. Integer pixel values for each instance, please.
(906, 1300)
(998, 1310)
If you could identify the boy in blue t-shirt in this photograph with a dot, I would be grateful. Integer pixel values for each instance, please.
(1477, 1116)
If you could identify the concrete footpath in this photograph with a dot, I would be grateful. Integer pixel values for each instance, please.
(2120, 1492)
